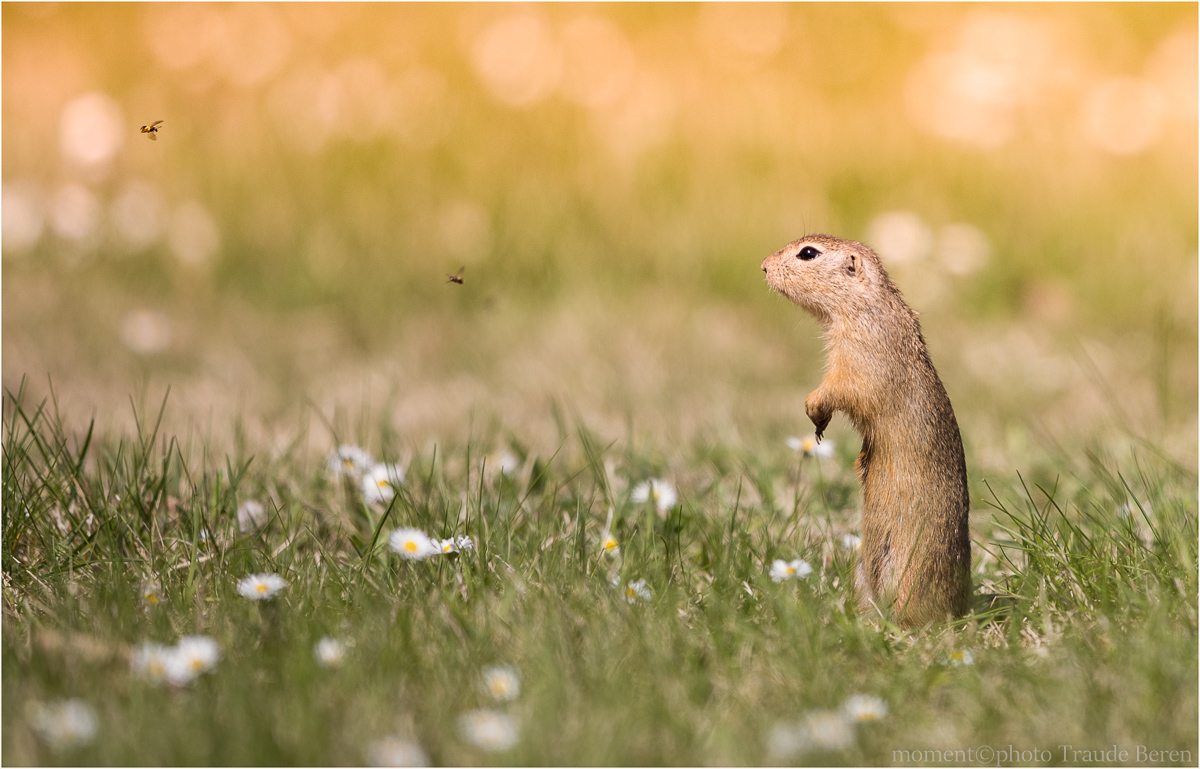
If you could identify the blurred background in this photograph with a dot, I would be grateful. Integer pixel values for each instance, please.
(610, 176)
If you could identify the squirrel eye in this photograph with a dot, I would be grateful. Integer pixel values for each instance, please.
(807, 253)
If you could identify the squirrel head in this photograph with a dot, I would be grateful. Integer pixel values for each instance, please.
(830, 277)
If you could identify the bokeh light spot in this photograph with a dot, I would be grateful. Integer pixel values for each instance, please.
(899, 236)
(971, 92)
(146, 332)
(518, 60)
(23, 219)
(742, 36)
(75, 213)
(92, 129)
(1173, 68)
(138, 215)
(1124, 115)
(962, 249)
(193, 235)
(600, 63)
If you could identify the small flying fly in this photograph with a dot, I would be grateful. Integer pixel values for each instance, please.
(152, 129)
(458, 277)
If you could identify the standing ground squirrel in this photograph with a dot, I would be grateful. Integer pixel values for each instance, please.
(915, 559)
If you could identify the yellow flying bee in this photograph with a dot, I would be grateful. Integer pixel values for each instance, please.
(458, 278)
(152, 129)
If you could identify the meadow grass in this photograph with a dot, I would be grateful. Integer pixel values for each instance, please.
(1084, 632)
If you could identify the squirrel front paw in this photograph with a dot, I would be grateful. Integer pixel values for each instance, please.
(818, 412)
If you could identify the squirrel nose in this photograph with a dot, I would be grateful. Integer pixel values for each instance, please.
(764, 264)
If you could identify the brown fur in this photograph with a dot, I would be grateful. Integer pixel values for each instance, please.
(915, 559)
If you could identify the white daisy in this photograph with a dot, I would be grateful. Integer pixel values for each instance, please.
(489, 729)
(865, 707)
(809, 446)
(501, 683)
(193, 655)
(797, 569)
(251, 515)
(786, 741)
(660, 491)
(63, 724)
(412, 544)
(396, 751)
(348, 460)
(638, 590)
(379, 484)
(503, 462)
(150, 661)
(1131, 509)
(829, 730)
(961, 657)
(151, 594)
(329, 652)
(453, 544)
(851, 541)
(609, 544)
(258, 587)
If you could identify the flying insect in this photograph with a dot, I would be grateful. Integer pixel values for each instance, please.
(152, 129)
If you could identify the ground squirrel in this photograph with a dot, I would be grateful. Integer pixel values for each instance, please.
(915, 559)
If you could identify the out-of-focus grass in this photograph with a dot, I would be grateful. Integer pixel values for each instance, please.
(612, 222)
(1095, 643)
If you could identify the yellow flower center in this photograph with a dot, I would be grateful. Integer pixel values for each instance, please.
(789, 570)
(348, 464)
(156, 667)
(261, 587)
(630, 592)
(196, 664)
(151, 599)
(383, 483)
(410, 546)
(610, 544)
(809, 445)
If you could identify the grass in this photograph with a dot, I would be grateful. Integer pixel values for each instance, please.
(1084, 634)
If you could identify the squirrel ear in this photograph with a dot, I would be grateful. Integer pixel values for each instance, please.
(852, 267)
